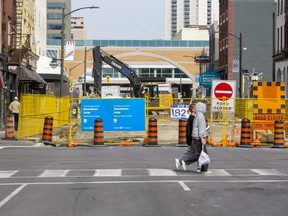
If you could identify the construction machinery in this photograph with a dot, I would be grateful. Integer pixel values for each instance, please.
(157, 90)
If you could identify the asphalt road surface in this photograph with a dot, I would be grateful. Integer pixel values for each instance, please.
(141, 181)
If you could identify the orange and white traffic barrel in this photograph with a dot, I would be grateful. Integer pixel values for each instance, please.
(279, 134)
(47, 129)
(245, 139)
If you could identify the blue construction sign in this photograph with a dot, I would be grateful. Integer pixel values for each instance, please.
(206, 78)
(117, 114)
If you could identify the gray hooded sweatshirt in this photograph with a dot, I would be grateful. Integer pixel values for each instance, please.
(199, 123)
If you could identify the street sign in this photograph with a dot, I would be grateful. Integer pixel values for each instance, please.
(223, 95)
(206, 78)
(179, 111)
(223, 91)
(202, 59)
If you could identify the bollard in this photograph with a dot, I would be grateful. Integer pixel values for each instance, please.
(182, 132)
(152, 132)
(98, 132)
(47, 129)
(279, 134)
(10, 129)
(245, 140)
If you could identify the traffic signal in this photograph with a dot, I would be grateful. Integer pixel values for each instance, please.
(107, 79)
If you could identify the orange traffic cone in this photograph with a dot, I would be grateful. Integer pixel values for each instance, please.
(73, 143)
(235, 129)
(127, 142)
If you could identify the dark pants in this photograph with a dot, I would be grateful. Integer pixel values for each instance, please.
(193, 152)
(16, 118)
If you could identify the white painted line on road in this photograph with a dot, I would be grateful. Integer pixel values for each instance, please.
(144, 182)
(184, 186)
(11, 195)
(53, 173)
(267, 172)
(161, 172)
(7, 174)
(219, 172)
(107, 172)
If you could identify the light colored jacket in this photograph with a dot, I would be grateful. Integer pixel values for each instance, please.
(14, 107)
(199, 123)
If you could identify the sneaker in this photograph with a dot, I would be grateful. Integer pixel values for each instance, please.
(184, 165)
(198, 168)
(177, 163)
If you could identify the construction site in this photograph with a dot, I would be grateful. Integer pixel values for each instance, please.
(256, 122)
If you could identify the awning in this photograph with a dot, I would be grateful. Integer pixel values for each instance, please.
(25, 74)
(53, 77)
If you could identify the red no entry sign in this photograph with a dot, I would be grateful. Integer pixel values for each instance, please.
(223, 91)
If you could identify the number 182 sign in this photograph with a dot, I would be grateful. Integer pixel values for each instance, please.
(179, 112)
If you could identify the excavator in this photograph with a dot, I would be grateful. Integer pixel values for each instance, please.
(159, 94)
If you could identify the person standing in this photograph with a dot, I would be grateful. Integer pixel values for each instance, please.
(14, 108)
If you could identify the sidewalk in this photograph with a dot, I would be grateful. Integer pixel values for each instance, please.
(15, 142)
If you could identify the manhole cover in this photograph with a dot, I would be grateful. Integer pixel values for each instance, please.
(244, 189)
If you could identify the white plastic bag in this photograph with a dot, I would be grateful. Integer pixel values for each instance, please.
(203, 158)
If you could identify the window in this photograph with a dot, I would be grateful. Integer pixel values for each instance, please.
(53, 16)
(55, 5)
(54, 27)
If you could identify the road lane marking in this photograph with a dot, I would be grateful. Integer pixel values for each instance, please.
(54, 173)
(7, 174)
(161, 172)
(266, 172)
(184, 186)
(107, 172)
(218, 172)
(67, 173)
(147, 181)
(11, 195)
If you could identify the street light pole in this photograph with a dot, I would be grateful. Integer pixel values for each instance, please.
(62, 42)
(240, 65)
(85, 58)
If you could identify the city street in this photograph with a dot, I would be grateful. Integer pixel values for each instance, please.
(138, 181)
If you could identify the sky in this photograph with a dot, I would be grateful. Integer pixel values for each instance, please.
(122, 19)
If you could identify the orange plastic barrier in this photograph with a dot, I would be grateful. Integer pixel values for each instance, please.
(182, 131)
(152, 132)
(47, 129)
(98, 132)
(245, 139)
(10, 129)
(279, 134)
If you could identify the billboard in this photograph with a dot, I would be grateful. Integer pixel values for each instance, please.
(117, 114)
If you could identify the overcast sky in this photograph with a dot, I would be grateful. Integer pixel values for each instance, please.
(122, 19)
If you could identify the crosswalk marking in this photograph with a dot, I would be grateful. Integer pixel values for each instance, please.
(7, 174)
(161, 172)
(108, 172)
(54, 173)
(265, 172)
(134, 172)
(219, 172)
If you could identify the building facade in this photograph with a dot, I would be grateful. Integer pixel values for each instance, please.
(40, 26)
(245, 41)
(280, 56)
(18, 52)
(185, 13)
(78, 29)
(54, 18)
